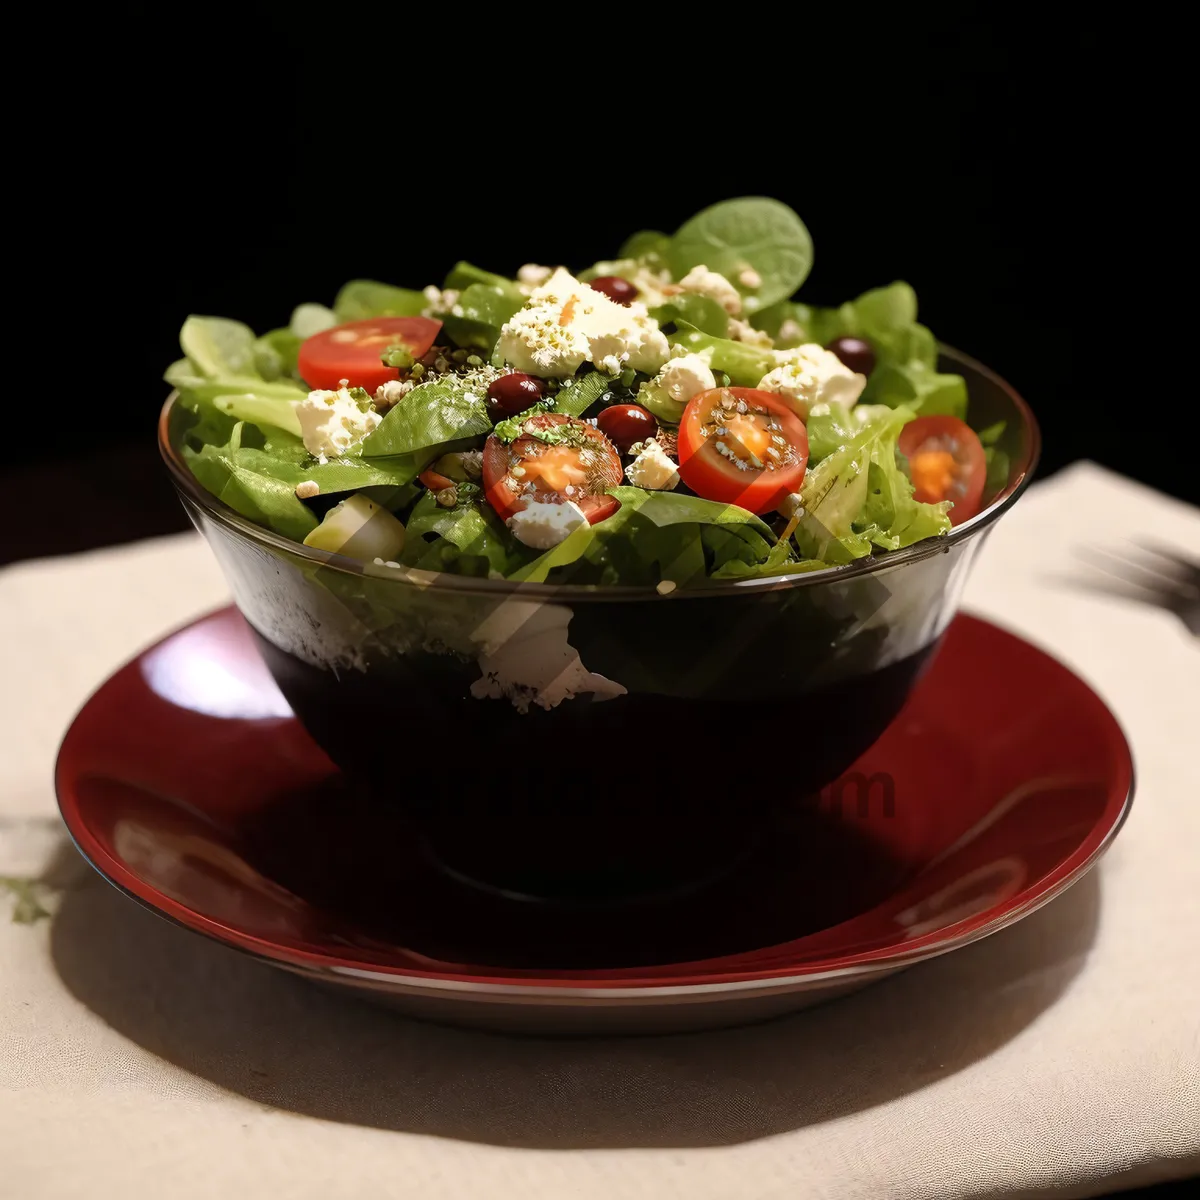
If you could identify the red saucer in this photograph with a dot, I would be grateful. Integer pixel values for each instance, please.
(187, 783)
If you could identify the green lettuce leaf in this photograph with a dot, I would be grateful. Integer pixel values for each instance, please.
(744, 364)
(479, 315)
(256, 494)
(919, 387)
(858, 497)
(464, 275)
(655, 536)
(576, 397)
(696, 312)
(435, 417)
(363, 298)
(219, 348)
(830, 427)
(468, 539)
(276, 352)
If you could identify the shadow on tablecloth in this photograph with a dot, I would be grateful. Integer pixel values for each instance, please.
(287, 1044)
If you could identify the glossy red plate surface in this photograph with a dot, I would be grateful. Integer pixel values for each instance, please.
(187, 783)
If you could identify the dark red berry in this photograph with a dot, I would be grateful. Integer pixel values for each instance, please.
(624, 424)
(615, 288)
(855, 353)
(512, 394)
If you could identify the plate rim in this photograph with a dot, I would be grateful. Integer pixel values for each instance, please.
(832, 969)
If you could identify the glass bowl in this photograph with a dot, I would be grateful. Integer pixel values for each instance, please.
(591, 745)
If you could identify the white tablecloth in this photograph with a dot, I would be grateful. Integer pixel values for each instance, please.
(1062, 1055)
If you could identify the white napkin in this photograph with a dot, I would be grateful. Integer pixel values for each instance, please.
(1061, 1056)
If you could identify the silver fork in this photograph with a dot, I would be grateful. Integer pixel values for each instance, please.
(1151, 574)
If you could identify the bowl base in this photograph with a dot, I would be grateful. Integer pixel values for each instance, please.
(358, 857)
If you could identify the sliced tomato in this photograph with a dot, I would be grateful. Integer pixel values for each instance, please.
(742, 446)
(352, 351)
(945, 462)
(581, 469)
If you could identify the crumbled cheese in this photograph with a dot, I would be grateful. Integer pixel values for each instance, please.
(653, 287)
(684, 377)
(790, 330)
(811, 375)
(748, 277)
(544, 523)
(306, 489)
(438, 302)
(532, 275)
(566, 323)
(743, 331)
(333, 422)
(524, 656)
(392, 392)
(704, 282)
(653, 469)
(792, 505)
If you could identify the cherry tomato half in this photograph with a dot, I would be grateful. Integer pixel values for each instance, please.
(581, 469)
(945, 462)
(742, 446)
(352, 351)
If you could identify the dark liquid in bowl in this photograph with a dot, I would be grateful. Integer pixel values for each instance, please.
(592, 802)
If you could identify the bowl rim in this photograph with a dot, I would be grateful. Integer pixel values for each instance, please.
(1022, 471)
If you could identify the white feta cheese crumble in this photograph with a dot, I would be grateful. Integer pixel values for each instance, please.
(792, 505)
(542, 524)
(439, 302)
(393, 391)
(743, 331)
(653, 469)
(332, 422)
(811, 375)
(790, 330)
(654, 287)
(748, 277)
(704, 282)
(524, 655)
(684, 377)
(306, 489)
(566, 323)
(532, 275)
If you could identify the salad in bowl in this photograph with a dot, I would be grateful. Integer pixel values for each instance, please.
(672, 416)
(587, 568)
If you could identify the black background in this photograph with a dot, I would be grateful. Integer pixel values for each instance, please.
(275, 156)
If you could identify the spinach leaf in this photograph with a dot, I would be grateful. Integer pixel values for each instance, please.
(362, 298)
(259, 410)
(347, 474)
(654, 536)
(752, 232)
(919, 387)
(648, 246)
(478, 316)
(218, 347)
(433, 415)
(464, 274)
(468, 538)
(998, 466)
(580, 394)
(253, 493)
(675, 508)
(699, 312)
(744, 364)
